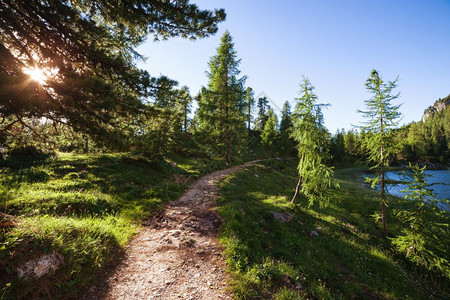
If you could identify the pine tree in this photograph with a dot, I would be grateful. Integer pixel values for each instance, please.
(270, 135)
(286, 142)
(249, 102)
(221, 106)
(185, 103)
(263, 108)
(382, 117)
(86, 51)
(315, 177)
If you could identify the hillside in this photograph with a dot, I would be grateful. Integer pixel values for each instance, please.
(439, 105)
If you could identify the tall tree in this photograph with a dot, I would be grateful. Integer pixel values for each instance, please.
(286, 141)
(249, 102)
(270, 135)
(382, 117)
(315, 177)
(82, 58)
(221, 106)
(185, 103)
(263, 108)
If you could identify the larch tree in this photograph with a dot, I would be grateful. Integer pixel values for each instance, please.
(426, 235)
(221, 107)
(382, 118)
(315, 177)
(270, 135)
(73, 62)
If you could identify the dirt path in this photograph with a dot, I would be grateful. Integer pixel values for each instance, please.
(176, 255)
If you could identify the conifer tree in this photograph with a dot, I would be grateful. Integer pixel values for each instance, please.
(221, 107)
(263, 108)
(425, 237)
(249, 102)
(286, 141)
(315, 177)
(86, 51)
(270, 135)
(382, 117)
(185, 103)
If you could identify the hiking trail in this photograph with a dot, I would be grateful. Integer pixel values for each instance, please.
(176, 255)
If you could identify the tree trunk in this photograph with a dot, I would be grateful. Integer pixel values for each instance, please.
(297, 189)
(383, 196)
(86, 144)
(383, 200)
(185, 120)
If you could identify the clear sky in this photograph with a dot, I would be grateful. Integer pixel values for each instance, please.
(335, 43)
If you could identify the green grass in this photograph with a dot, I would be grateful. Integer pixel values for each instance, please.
(349, 259)
(85, 207)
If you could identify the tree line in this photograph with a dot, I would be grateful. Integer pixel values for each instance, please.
(95, 99)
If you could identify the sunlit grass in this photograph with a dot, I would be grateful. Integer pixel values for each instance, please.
(85, 207)
(348, 259)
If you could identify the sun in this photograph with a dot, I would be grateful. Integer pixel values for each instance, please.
(36, 74)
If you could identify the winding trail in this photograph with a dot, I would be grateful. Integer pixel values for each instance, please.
(176, 255)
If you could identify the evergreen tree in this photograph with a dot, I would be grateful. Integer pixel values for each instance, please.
(221, 107)
(263, 108)
(338, 146)
(382, 117)
(249, 102)
(185, 103)
(270, 135)
(315, 177)
(286, 142)
(86, 51)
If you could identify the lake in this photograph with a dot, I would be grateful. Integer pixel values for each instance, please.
(440, 177)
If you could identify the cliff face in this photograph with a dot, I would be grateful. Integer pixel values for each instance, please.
(439, 105)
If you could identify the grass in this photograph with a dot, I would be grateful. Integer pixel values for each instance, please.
(348, 259)
(84, 207)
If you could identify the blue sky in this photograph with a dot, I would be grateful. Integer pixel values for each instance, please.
(333, 43)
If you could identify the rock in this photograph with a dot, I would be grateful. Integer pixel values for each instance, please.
(174, 233)
(313, 233)
(282, 217)
(46, 264)
(279, 159)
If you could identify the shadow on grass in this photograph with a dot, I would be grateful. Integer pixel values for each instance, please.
(347, 259)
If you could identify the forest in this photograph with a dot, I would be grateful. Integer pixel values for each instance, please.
(93, 148)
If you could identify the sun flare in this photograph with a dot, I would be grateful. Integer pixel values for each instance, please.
(37, 75)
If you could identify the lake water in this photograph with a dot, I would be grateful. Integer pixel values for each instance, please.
(440, 177)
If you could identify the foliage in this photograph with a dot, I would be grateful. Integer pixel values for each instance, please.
(86, 51)
(382, 117)
(221, 111)
(425, 237)
(249, 102)
(315, 177)
(286, 125)
(263, 108)
(428, 139)
(270, 135)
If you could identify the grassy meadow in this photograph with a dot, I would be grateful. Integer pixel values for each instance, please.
(84, 207)
(348, 259)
